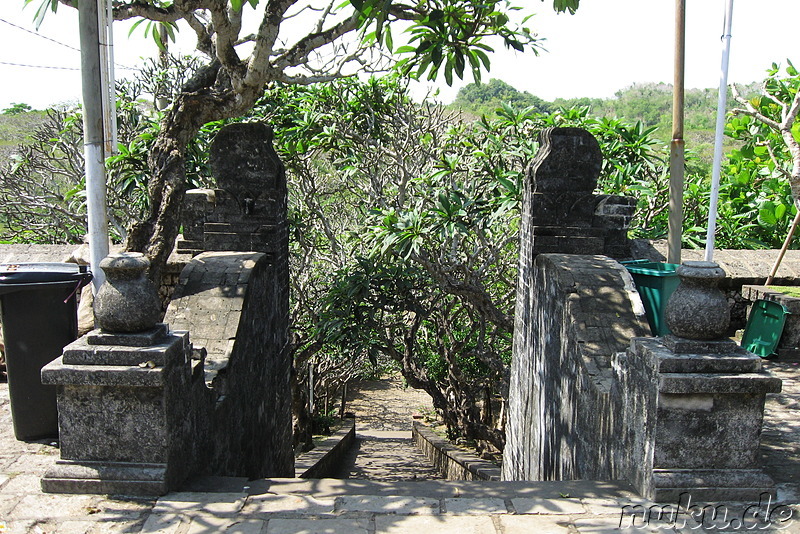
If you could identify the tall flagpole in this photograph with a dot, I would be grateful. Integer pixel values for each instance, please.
(677, 146)
(721, 109)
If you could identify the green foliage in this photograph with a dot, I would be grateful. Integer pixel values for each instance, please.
(453, 34)
(485, 98)
(17, 108)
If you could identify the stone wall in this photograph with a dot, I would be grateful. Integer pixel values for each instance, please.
(228, 410)
(561, 211)
(591, 400)
(574, 313)
(236, 304)
(452, 462)
(22, 253)
(325, 459)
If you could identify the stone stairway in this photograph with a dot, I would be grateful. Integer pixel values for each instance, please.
(388, 455)
(393, 505)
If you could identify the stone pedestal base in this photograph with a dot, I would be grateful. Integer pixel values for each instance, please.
(710, 485)
(702, 432)
(125, 416)
(124, 478)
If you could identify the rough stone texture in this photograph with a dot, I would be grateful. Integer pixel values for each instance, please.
(140, 415)
(245, 211)
(20, 253)
(236, 306)
(124, 428)
(324, 460)
(135, 408)
(669, 422)
(128, 300)
(698, 309)
(454, 463)
(564, 213)
(704, 428)
(574, 313)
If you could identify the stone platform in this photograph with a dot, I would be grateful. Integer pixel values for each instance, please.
(283, 506)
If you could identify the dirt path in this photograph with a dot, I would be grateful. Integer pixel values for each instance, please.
(383, 449)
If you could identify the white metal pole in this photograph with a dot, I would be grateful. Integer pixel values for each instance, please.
(721, 107)
(93, 138)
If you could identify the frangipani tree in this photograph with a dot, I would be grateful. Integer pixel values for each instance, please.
(768, 125)
(296, 42)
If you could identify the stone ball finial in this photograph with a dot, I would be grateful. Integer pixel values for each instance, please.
(698, 309)
(128, 301)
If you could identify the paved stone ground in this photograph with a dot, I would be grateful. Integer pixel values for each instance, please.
(353, 506)
(780, 439)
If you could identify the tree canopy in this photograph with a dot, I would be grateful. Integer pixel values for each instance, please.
(296, 42)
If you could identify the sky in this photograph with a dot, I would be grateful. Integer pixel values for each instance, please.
(607, 46)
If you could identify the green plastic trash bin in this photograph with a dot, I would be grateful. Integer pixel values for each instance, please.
(38, 306)
(764, 327)
(655, 282)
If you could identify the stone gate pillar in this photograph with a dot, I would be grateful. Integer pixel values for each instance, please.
(704, 401)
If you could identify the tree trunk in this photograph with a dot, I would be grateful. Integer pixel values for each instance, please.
(156, 236)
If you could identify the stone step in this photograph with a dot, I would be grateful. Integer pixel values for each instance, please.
(352, 506)
(440, 489)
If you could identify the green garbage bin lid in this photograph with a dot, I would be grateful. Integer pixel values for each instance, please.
(764, 327)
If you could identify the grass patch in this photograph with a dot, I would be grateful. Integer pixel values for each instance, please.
(790, 291)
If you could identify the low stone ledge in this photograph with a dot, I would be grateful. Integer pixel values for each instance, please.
(325, 459)
(56, 373)
(452, 462)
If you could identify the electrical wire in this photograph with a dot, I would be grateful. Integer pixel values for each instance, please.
(53, 41)
(37, 66)
(40, 35)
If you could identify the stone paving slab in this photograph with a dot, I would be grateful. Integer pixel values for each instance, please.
(469, 506)
(213, 503)
(209, 524)
(388, 504)
(532, 524)
(282, 505)
(319, 526)
(562, 506)
(434, 524)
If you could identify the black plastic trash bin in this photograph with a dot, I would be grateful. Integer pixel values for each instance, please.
(38, 304)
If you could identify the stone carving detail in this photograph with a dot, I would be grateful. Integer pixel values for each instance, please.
(128, 301)
(244, 212)
(562, 211)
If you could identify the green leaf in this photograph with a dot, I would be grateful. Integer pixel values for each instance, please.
(388, 38)
(134, 26)
(448, 72)
(766, 217)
